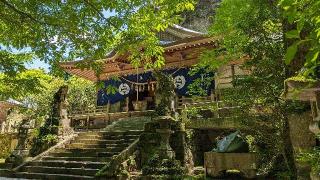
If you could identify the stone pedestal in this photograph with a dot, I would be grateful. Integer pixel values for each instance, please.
(165, 150)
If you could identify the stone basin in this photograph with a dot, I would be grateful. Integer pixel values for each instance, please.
(217, 163)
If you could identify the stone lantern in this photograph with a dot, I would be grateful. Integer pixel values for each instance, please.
(165, 150)
(23, 130)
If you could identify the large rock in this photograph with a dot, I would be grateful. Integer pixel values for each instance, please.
(202, 17)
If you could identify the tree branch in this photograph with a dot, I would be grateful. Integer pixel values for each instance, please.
(24, 14)
(99, 12)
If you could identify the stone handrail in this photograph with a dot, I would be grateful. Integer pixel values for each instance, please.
(110, 168)
(67, 140)
(99, 109)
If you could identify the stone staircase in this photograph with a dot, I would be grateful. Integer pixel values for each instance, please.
(85, 155)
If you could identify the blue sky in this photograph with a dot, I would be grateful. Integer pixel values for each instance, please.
(38, 64)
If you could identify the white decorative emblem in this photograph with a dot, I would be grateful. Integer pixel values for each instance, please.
(179, 82)
(124, 89)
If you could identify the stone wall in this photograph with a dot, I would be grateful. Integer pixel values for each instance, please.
(9, 141)
(7, 144)
(12, 122)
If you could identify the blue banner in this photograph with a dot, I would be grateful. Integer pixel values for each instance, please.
(125, 85)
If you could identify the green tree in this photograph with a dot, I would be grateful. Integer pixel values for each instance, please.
(303, 17)
(15, 80)
(39, 102)
(57, 31)
(82, 94)
(254, 29)
(20, 85)
(69, 30)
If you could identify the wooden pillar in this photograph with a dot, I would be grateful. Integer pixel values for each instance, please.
(127, 104)
(217, 105)
(87, 121)
(212, 95)
(233, 73)
(108, 107)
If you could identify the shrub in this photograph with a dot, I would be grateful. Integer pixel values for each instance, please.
(46, 136)
(167, 167)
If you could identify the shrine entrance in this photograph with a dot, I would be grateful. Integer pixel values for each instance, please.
(142, 99)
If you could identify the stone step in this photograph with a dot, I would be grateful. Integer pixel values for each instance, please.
(6, 165)
(84, 145)
(68, 164)
(83, 154)
(107, 137)
(95, 141)
(77, 150)
(59, 170)
(92, 159)
(110, 133)
(5, 173)
(50, 176)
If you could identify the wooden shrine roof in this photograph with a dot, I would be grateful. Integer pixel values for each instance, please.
(184, 52)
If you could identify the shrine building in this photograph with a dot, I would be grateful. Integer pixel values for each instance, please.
(135, 87)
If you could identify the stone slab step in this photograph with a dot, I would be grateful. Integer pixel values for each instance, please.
(5, 173)
(84, 145)
(59, 170)
(95, 141)
(6, 165)
(92, 159)
(109, 137)
(68, 164)
(110, 133)
(50, 176)
(85, 154)
(107, 149)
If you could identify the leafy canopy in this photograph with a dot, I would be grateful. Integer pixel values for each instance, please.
(254, 29)
(70, 30)
(65, 30)
(304, 16)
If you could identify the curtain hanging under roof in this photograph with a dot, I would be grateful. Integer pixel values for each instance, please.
(126, 85)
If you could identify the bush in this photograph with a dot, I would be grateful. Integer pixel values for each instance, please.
(312, 158)
(45, 138)
(156, 166)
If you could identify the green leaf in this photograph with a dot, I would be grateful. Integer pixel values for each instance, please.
(286, 3)
(293, 34)
(189, 6)
(315, 57)
(291, 52)
(311, 57)
(300, 24)
(292, 15)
